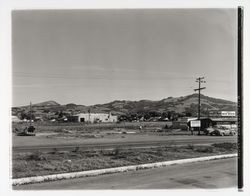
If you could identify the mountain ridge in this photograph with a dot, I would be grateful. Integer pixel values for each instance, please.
(183, 104)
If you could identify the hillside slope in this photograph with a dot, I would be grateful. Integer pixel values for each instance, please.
(179, 105)
(184, 104)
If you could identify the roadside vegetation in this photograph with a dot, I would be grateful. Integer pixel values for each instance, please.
(44, 163)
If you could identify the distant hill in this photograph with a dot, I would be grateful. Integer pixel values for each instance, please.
(184, 104)
(46, 103)
(42, 104)
(179, 104)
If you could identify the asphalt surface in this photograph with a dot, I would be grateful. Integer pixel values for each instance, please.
(201, 175)
(138, 142)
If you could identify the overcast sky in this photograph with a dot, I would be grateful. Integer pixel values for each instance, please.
(97, 56)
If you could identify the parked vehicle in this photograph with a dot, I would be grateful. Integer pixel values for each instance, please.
(223, 131)
(209, 131)
(28, 131)
(219, 131)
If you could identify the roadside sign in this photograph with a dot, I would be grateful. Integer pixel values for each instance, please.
(195, 123)
(228, 113)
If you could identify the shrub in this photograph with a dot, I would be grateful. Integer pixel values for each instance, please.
(54, 151)
(117, 151)
(225, 145)
(190, 146)
(205, 149)
(37, 156)
(76, 149)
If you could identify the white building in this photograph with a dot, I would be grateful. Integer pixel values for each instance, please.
(15, 119)
(95, 117)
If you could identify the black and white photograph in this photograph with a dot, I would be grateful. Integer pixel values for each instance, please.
(126, 99)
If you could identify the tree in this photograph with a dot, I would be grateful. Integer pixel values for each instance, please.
(60, 115)
(23, 115)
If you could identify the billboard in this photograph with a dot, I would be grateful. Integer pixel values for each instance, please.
(228, 113)
(195, 123)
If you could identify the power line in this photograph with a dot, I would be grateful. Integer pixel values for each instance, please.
(106, 77)
(96, 77)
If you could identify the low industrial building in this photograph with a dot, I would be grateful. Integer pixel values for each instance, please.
(185, 122)
(207, 122)
(94, 117)
(225, 122)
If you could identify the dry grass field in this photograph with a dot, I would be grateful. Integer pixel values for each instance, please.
(41, 163)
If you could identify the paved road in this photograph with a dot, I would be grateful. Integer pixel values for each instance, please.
(136, 142)
(204, 175)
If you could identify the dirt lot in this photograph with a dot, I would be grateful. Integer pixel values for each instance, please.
(58, 127)
(64, 133)
(38, 163)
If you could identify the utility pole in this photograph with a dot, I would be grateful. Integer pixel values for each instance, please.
(199, 80)
(30, 114)
(89, 115)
